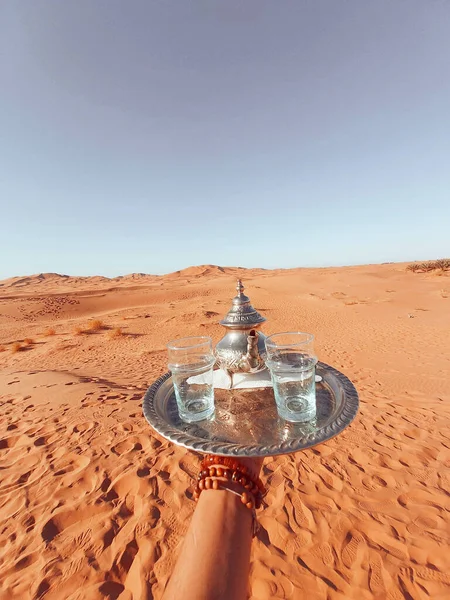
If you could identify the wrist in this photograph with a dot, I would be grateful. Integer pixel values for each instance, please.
(234, 477)
(231, 506)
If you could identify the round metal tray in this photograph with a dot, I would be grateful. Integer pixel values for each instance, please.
(246, 422)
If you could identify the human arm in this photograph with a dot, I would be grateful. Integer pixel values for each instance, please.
(215, 557)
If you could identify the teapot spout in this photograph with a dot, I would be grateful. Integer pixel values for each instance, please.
(252, 357)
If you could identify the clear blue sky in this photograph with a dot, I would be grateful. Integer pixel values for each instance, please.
(151, 135)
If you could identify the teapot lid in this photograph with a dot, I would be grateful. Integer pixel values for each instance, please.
(242, 313)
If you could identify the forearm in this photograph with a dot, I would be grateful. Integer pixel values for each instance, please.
(215, 556)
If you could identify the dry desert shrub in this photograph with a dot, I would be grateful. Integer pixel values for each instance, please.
(50, 331)
(78, 330)
(16, 347)
(28, 341)
(115, 333)
(430, 265)
(96, 325)
(2, 348)
(443, 263)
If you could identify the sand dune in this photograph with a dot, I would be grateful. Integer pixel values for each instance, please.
(93, 505)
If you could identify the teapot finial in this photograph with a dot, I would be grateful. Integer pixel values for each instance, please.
(242, 315)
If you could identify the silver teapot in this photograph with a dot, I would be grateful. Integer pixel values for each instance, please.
(242, 349)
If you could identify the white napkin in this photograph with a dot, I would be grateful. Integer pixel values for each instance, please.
(241, 381)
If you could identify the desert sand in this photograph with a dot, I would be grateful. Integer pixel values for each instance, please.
(94, 505)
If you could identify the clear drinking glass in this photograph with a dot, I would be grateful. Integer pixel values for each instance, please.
(292, 364)
(191, 361)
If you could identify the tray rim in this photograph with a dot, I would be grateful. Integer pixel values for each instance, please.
(181, 438)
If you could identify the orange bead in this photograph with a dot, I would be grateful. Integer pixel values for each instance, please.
(212, 471)
(215, 484)
(219, 472)
(208, 483)
(201, 484)
(244, 498)
(249, 505)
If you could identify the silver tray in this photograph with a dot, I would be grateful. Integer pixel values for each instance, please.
(246, 422)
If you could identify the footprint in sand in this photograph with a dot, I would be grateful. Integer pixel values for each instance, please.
(325, 553)
(380, 582)
(131, 444)
(77, 520)
(302, 515)
(127, 426)
(188, 466)
(84, 427)
(41, 441)
(373, 483)
(431, 575)
(31, 469)
(386, 542)
(69, 463)
(143, 472)
(354, 549)
(11, 442)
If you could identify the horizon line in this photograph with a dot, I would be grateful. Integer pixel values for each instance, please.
(206, 266)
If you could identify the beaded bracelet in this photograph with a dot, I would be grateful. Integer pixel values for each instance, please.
(215, 483)
(234, 464)
(235, 476)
